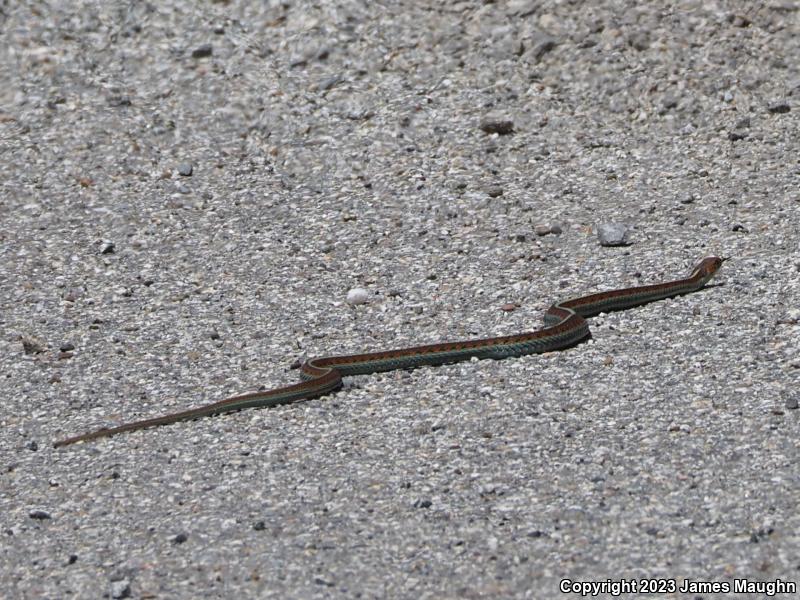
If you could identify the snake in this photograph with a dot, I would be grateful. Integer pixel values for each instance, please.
(565, 325)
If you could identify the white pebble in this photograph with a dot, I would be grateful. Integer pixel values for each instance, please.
(357, 296)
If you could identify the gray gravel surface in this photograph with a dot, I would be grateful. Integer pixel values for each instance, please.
(191, 189)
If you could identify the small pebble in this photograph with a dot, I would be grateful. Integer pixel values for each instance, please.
(540, 45)
(185, 169)
(120, 589)
(497, 123)
(778, 108)
(357, 296)
(32, 345)
(545, 229)
(494, 191)
(738, 20)
(792, 403)
(203, 51)
(791, 317)
(180, 538)
(73, 294)
(39, 515)
(613, 234)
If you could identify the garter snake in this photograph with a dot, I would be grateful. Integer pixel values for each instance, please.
(565, 325)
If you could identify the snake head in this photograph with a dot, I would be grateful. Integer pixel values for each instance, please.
(707, 267)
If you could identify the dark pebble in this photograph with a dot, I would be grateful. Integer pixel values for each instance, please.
(203, 51)
(494, 191)
(180, 538)
(496, 123)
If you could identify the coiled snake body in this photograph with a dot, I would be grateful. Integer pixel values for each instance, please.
(565, 325)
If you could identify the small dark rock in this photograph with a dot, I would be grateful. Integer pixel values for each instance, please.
(117, 101)
(185, 169)
(39, 515)
(540, 45)
(536, 533)
(738, 20)
(792, 403)
(669, 101)
(494, 191)
(779, 108)
(203, 51)
(497, 123)
(180, 538)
